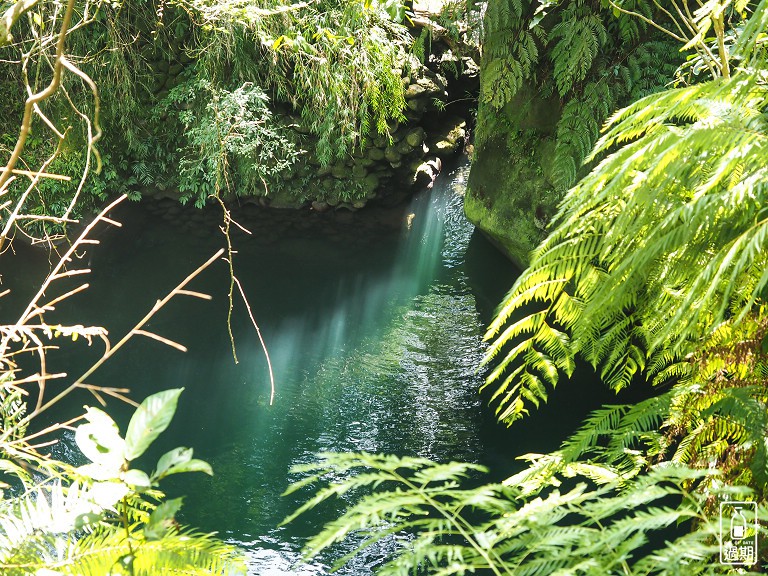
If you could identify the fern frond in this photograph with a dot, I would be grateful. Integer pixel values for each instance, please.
(178, 552)
(528, 525)
(577, 37)
(656, 249)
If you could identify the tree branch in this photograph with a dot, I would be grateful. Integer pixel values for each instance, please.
(11, 16)
(47, 92)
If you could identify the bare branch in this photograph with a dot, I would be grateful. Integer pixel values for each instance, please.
(648, 21)
(11, 16)
(110, 352)
(38, 174)
(261, 339)
(162, 339)
(50, 305)
(47, 92)
(192, 293)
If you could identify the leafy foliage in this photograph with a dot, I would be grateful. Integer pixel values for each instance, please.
(577, 39)
(651, 251)
(591, 527)
(188, 108)
(337, 63)
(102, 517)
(590, 57)
(506, 63)
(106, 516)
(233, 145)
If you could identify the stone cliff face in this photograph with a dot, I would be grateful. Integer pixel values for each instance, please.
(510, 196)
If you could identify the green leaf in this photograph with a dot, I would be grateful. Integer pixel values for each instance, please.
(138, 479)
(171, 458)
(107, 494)
(161, 520)
(87, 519)
(149, 421)
(99, 440)
(179, 460)
(193, 465)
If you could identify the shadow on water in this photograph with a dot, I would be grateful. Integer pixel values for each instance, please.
(374, 324)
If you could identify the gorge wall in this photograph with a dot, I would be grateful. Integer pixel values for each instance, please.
(550, 77)
(384, 169)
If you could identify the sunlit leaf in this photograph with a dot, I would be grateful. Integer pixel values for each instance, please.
(100, 441)
(138, 479)
(161, 519)
(107, 494)
(148, 422)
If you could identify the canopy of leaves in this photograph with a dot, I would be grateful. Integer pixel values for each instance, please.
(336, 62)
(201, 94)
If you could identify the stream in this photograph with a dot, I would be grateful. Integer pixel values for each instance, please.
(373, 322)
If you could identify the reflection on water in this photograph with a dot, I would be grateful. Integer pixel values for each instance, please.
(384, 361)
(374, 337)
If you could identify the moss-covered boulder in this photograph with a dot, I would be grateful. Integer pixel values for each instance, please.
(510, 196)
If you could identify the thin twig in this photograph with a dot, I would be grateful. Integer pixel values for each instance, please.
(109, 353)
(647, 21)
(230, 262)
(261, 339)
(66, 258)
(162, 339)
(47, 92)
(38, 174)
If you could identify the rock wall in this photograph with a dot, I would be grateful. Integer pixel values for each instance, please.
(388, 169)
(391, 168)
(510, 197)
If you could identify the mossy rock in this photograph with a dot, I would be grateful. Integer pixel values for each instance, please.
(404, 148)
(449, 139)
(391, 154)
(376, 154)
(359, 172)
(364, 162)
(284, 199)
(341, 171)
(417, 105)
(510, 196)
(370, 185)
(414, 91)
(415, 137)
